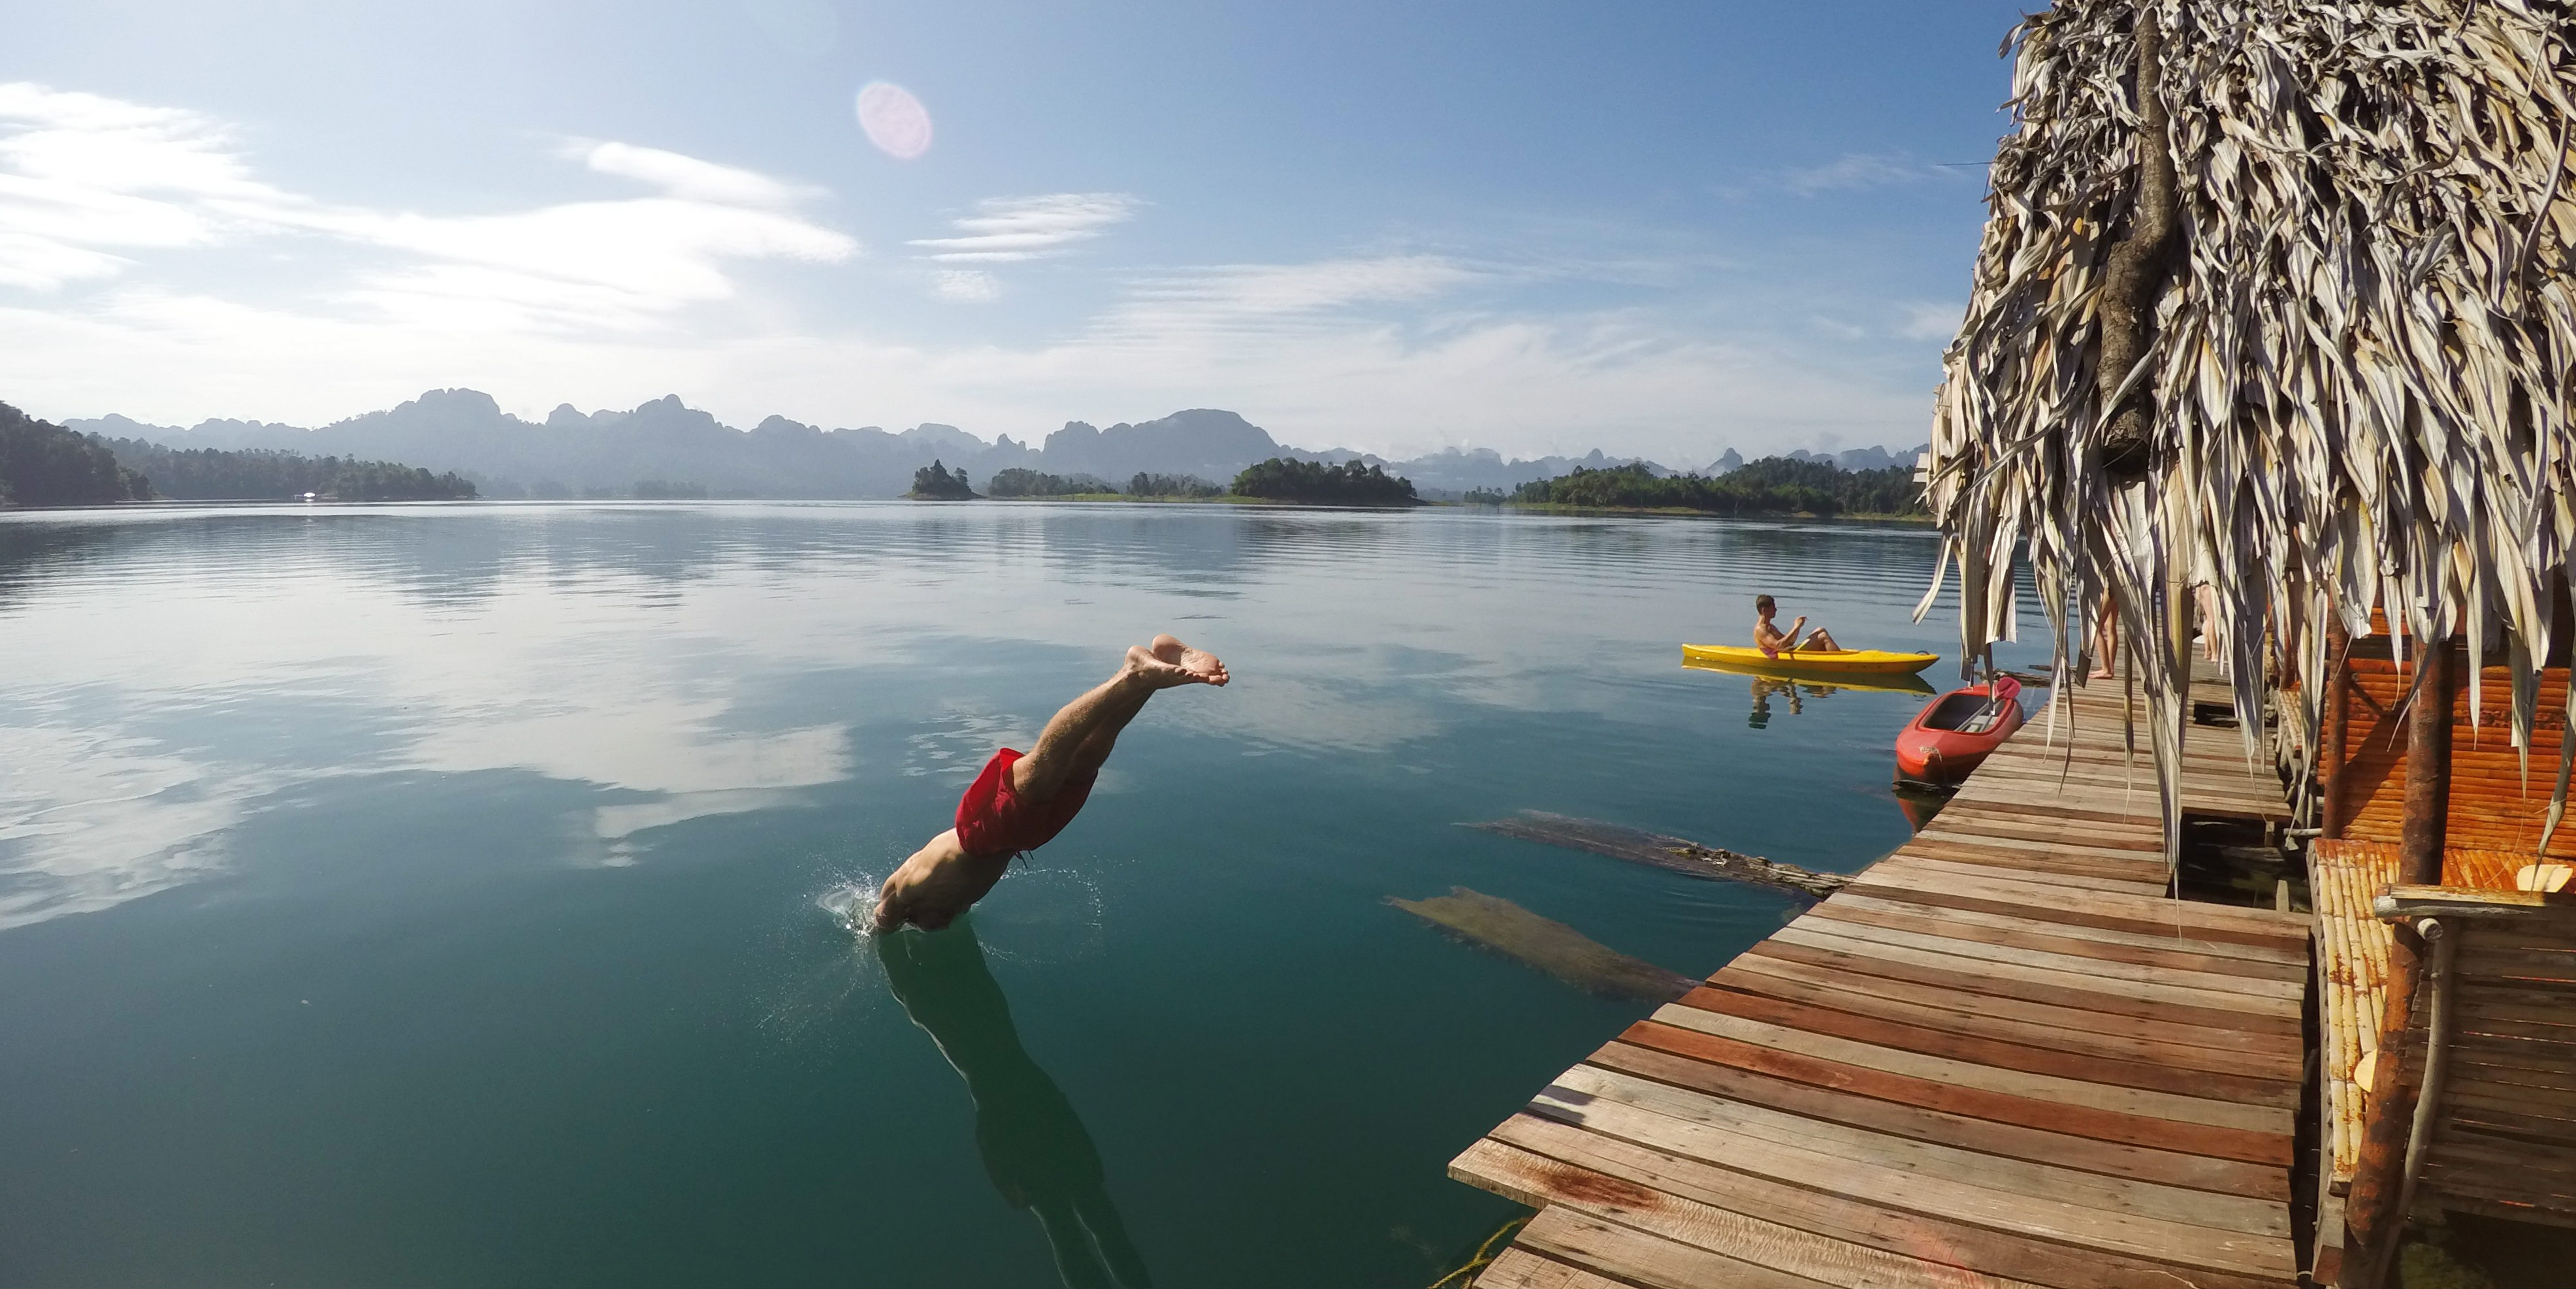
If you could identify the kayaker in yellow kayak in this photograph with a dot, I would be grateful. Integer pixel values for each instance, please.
(1773, 641)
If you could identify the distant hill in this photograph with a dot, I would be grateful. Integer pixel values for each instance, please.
(666, 443)
(44, 464)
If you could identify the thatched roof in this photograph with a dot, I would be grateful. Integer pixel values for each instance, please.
(2353, 372)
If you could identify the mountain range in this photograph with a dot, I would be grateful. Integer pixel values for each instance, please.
(607, 453)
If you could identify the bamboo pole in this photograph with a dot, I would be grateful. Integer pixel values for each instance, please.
(2372, 1217)
(2337, 813)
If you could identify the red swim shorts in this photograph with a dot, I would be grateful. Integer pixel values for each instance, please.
(992, 820)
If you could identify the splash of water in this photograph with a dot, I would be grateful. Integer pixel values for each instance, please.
(852, 903)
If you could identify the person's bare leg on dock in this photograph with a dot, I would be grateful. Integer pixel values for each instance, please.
(1020, 802)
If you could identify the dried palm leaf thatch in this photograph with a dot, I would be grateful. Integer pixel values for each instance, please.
(2357, 374)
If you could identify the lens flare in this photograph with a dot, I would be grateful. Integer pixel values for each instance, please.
(895, 121)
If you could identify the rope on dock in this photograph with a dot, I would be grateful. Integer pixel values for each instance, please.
(1484, 1256)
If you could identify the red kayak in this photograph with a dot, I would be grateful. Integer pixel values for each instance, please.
(1949, 738)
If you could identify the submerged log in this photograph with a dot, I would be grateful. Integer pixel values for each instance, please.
(1675, 853)
(1552, 947)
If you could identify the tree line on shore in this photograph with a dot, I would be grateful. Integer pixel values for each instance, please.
(1770, 486)
(43, 464)
(1277, 479)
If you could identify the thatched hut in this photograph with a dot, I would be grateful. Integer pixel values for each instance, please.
(2276, 297)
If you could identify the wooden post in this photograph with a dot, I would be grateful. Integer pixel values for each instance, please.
(2371, 1219)
(2336, 813)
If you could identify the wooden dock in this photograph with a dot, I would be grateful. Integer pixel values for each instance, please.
(2001, 1057)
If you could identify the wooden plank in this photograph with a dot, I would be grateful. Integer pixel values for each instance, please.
(2055, 844)
(1631, 1256)
(2267, 1147)
(1996, 1053)
(2016, 799)
(1600, 1099)
(1964, 1204)
(2151, 915)
(2142, 1102)
(2266, 993)
(1972, 821)
(2148, 1164)
(2223, 775)
(1517, 1268)
(2108, 979)
(2265, 956)
(1908, 858)
(1632, 1185)
(1932, 846)
(2012, 1020)
(1967, 976)
(2148, 828)
(1530, 1157)
(2091, 775)
(2021, 933)
(2478, 1150)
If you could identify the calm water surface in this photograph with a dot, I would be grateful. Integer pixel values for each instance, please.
(450, 896)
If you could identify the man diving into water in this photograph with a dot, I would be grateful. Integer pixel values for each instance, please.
(1021, 802)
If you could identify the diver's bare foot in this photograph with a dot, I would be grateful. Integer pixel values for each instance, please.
(1167, 664)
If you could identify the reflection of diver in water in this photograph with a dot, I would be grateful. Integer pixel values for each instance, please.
(1034, 1146)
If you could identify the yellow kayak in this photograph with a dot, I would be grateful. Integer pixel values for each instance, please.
(1811, 662)
(1820, 682)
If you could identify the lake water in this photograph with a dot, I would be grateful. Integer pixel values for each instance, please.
(447, 896)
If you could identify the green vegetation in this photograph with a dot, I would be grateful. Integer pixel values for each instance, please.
(666, 490)
(1017, 482)
(208, 474)
(1347, 484)
(935, 482)
(1485, 497)
(1171, 485)
(1770, 486)
(43, 464)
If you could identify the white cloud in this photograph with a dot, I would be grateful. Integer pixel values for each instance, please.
(1931, 320)
(1005, 229)
(1855, 171)
(1239, 301)
(83, 178)
(965, 286)
(688, 178)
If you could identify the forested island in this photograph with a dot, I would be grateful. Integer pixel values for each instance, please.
(1279, 479)
(262, 474)
(43, 464)
(1770, 486)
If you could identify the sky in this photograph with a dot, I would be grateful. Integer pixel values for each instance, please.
(1656, 228)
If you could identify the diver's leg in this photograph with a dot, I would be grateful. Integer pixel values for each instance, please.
(1078, 738)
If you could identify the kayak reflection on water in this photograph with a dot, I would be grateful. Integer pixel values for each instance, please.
(1034, 1146)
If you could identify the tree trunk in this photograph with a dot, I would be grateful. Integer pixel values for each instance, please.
(2134, 278)
(2371, 1219)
